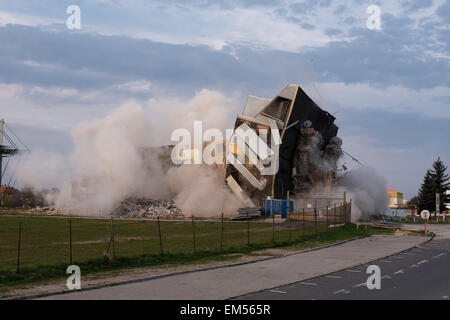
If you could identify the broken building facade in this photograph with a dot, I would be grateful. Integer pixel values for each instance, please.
(306, 153)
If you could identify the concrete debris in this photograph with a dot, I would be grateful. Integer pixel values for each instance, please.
(248, 213)
(147, 208)
(44, 210)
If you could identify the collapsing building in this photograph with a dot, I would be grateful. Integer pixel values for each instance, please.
(296, 148)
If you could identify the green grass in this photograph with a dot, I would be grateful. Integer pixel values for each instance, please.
(45, 243)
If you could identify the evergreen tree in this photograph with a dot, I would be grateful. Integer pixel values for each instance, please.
(427, 196)
(435, 181)
(441, 182)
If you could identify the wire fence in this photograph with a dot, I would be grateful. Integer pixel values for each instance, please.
(27, 242)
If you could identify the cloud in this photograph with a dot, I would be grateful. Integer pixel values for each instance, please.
(427, 103)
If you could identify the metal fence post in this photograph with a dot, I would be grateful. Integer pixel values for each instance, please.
(70, 241)
(273, 225)
(303, 223)
(289, 215)
(160, 237)
(334, 215)
(221, 233)
(18, 248)
(113, 239)
(315, 219)
(248, 230)
(193, 235)
(327, 218)
(350, 211)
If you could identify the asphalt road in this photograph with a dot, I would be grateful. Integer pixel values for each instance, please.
(422, 273)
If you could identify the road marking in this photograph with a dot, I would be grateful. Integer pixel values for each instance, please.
(334, 277)
(386, 277)
(308, 283)
(423, 261)
(414, 266)
(350, 270)
(277, 291)
(387, 261)
(408, 253)
(336, 292)
(439, 255)
(445, 297)
(399, 271)
(361, 284)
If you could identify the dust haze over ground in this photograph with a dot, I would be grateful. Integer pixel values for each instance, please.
(107, 164)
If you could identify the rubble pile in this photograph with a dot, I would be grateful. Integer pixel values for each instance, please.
(44, 210)
(147, 208)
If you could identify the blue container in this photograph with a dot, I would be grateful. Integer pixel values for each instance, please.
(393, 212)
(277, 207)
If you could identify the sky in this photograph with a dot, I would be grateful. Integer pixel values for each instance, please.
(389, 88)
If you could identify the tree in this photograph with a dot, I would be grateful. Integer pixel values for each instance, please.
(427, 196)
(435, 181)
(414, 201)
(441, 182)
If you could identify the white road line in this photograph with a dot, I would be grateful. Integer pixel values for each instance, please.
(334, 277)
(408, 253)
(361, 284)
(386, 261)
(350, 270)
(439, 255)
(423, 261)
(399, 271)
(386, 277)
(308, 283)
(277, 291)
(414, 266)
(336, 292)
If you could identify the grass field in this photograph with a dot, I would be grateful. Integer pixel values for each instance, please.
(45, 246)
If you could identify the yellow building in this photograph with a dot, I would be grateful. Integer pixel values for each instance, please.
(395, 198)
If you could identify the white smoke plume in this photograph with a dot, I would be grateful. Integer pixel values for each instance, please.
(367, 189)
(108, 167)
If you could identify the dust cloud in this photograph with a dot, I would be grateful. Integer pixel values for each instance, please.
(107, 165)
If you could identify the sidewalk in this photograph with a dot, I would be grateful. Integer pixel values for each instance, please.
(231, 281)
(442, 231)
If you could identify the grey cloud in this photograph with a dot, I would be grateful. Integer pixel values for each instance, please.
(333, 31)
(414, 5)
(81, 60)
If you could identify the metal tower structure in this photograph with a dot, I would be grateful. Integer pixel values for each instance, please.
(8, 148)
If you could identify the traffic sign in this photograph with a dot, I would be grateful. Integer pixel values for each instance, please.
(425, 214)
